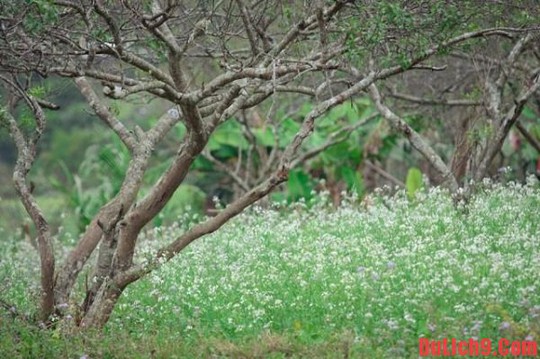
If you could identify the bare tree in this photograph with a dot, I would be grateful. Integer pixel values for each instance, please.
(502, 76)
(210, 61)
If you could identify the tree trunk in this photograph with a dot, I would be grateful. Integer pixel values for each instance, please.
(101, 308)
(462, 152)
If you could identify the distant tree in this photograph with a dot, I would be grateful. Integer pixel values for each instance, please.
(478, 94)
(211, 60)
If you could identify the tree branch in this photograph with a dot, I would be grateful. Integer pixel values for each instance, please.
(104, 114)
(224, 168)
(248, 26)
(385, 174)
(528, 136)
(506, 122)
(130, 274)
(337, 137)
(434, 102)
(26, 153)
(415, 139)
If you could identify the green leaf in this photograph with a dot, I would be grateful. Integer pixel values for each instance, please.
(299, 185)
(288, 129)
(529, 113)
(230, 134)
(353, 179)
(414, 182)
(264, 136)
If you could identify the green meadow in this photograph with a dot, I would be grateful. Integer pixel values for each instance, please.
(365, 280)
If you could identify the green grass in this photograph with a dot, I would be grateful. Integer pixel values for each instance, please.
(362, 281)
(13, 215)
